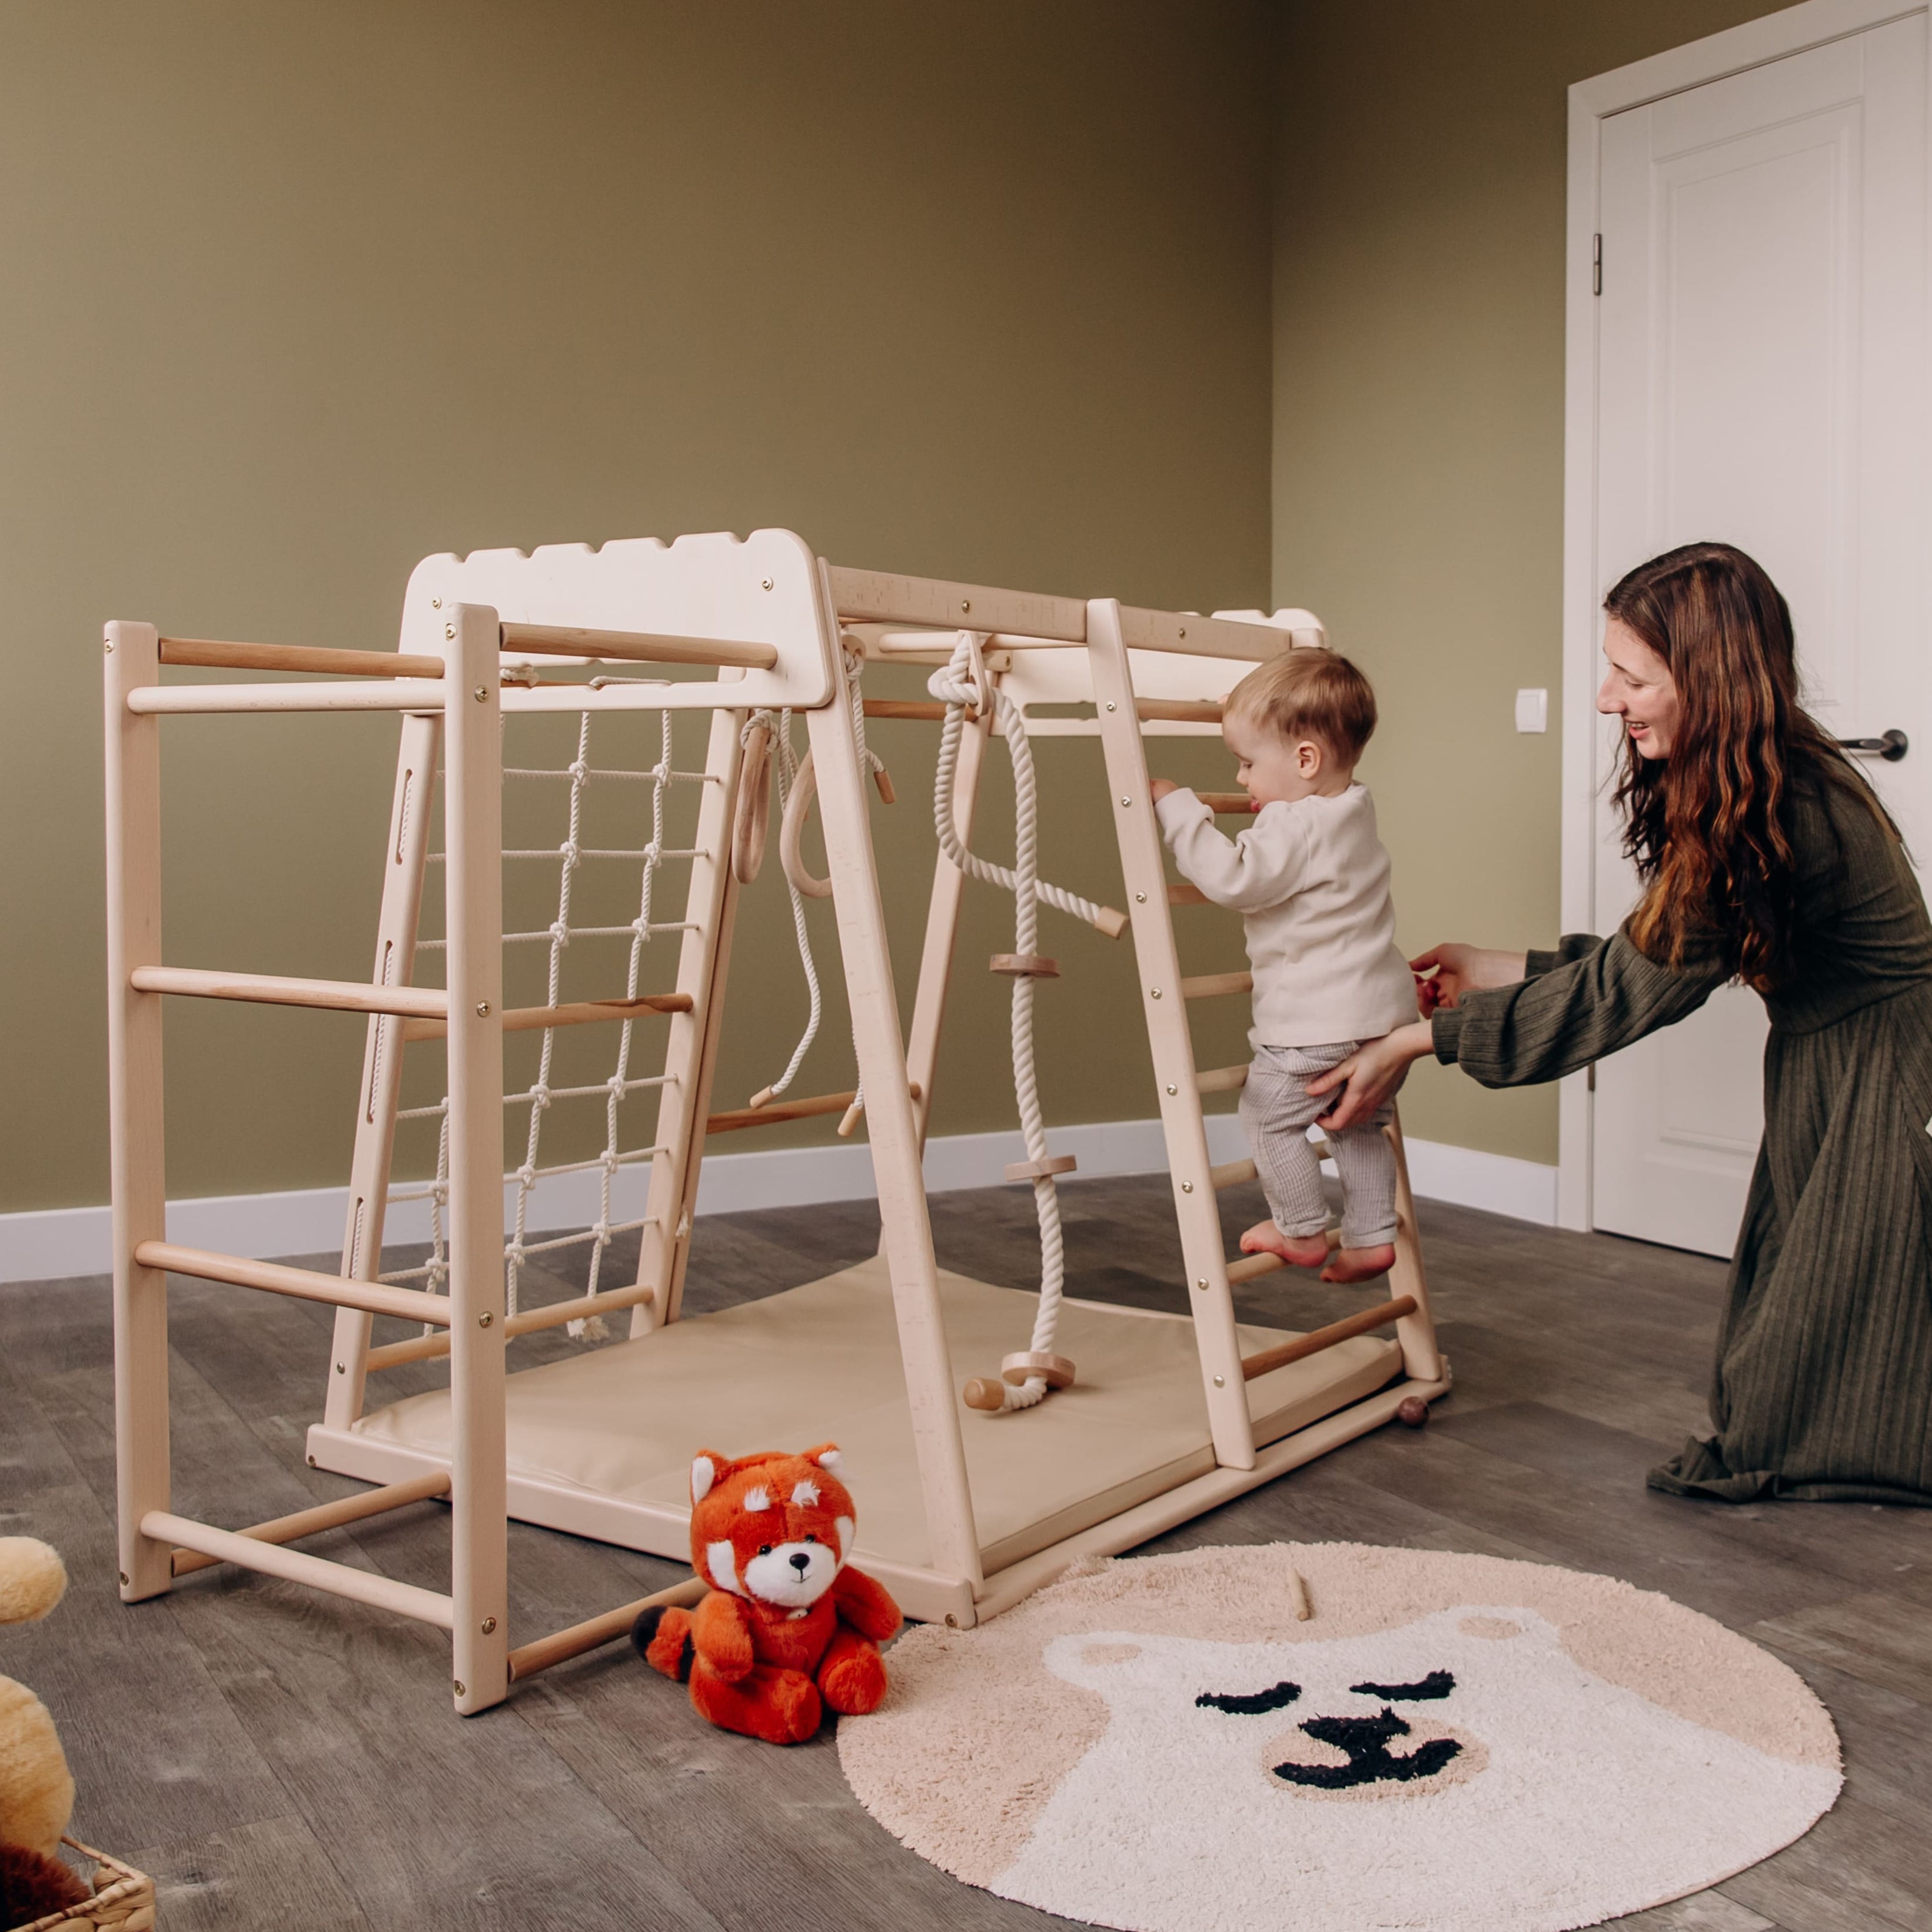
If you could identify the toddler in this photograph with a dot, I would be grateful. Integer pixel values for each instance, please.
(1312, 880)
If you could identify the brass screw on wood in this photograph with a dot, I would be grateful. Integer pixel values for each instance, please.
(764, 584)
(481, 693)
(1172, 1088)
(449, 630)
(124, 1579)
(489, 1626)
(965, 605)
(482, 1009)
(1154, 992)
(952, 1621)
(342, 1368)
(1126, 802)
(483, 1320)
(435, 603)
(1110, 704)
(456, 1683)
(1140, 898)
(1183, 630)
(1201, 1282)
(1220, 1382)
(107, 645)
(1187, 1187)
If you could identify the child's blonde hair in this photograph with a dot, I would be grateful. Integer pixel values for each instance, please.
(1312, 694)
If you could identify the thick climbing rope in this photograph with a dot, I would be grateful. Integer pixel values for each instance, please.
(964, 683)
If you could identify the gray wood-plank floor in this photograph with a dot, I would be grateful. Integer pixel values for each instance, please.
(282, 1759)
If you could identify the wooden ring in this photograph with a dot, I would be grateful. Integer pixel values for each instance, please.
(1056, 1370)
(805, 788)
(751, 822)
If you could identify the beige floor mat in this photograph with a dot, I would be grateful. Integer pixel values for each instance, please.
(822, 1363)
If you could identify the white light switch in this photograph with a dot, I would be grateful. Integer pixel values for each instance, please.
(1532, 711)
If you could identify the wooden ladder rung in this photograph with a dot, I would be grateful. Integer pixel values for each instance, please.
(1319, 1338)
(526, 1660)
(372, 1298)
(1222, 1079)
(576, 1013)
(325, 1516)
(296, 1566)
(1178, 711)
(637, 646)
(1235, 804)
(1251, 1268)
(1183, 894)
(775, 1111)
(1231, 1174)
(1216, 985)
(275, 989)
(215, 655)
(525, 1321)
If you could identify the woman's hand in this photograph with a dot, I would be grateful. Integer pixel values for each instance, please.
(1455, 969)
(1158, 788)
(1371, 1073)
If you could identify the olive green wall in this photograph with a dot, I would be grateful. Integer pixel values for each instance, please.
(293, 294)
(1418, 455)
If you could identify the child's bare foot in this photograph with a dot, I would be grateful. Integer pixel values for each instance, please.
(1361, 1264)
(1298, 1250)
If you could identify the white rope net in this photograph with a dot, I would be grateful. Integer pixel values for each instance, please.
(644, 795)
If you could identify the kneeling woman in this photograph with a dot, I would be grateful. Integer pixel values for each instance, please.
(1766, 858)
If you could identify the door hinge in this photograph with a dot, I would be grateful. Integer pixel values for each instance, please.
(1597, 265)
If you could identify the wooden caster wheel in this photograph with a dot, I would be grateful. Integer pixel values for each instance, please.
(1413, 1410)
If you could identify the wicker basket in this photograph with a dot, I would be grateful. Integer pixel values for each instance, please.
(123, 1900)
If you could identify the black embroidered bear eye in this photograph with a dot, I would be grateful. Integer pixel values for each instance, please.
(811, 1538)
(764, 1550)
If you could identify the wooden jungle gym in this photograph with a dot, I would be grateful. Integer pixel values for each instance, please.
(1125, 1424)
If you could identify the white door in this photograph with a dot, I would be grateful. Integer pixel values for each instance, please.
(1760, 382)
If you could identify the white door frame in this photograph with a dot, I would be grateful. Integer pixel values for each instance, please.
(1757, 43)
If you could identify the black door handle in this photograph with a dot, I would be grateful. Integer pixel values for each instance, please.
(1891, 747)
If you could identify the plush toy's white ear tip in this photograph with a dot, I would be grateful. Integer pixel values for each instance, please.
(704, 1474)
(828, 1458)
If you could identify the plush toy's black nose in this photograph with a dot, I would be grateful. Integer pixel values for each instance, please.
(800, 1562)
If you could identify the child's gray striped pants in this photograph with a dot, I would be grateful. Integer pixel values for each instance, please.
(1277, 1110)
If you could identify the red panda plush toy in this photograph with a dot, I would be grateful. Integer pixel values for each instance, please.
(788, 1627)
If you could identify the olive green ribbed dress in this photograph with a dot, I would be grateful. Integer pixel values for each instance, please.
(1823, 1388)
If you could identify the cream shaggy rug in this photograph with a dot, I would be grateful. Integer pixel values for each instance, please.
(1447, 1744)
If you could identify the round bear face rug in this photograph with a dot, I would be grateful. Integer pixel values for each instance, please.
(1446, 1744)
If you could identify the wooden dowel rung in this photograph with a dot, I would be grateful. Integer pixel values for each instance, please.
(215, 655)
(925, 710)
(576, 1013)
(1176, 711)
(1231, 1174)
(1216, 985)
(1318, 1339)
(525, 1321)
(774, 1112)
(1237, 802)
(296, 1566)
(353, 996)
(372, 1298)
(1251, 1268)
(1186, 894)
(560, 1645)
(637, 646)
(326, 1516)
(1222, 1079)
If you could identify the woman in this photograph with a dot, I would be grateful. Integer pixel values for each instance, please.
(1764, 858)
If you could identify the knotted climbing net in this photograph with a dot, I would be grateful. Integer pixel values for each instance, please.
(648, 792)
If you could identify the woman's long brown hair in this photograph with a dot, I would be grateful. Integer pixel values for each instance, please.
(1708, 828)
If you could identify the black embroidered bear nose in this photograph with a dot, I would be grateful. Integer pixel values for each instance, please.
(800, 1562)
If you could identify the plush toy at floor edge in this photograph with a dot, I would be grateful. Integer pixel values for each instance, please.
(789, 1629)
(36, 1792)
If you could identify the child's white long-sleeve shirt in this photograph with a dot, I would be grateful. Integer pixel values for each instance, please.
(1313, 879)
